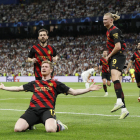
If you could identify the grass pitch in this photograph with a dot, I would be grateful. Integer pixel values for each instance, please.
(87, 116)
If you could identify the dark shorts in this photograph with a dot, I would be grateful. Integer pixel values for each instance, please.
(117, 62)
(137, 77)
(106, 76)
(33, 117)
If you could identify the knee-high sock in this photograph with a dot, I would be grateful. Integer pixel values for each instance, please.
(58, 127)
(105, 88)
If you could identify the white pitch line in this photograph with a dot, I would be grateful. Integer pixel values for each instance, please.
(8, 99)
(88, 114)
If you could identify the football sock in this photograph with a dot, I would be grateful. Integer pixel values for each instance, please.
(124, 109)
(118, 88)
(87, 85)
(123, 100)
(105, 88)
(58, 127)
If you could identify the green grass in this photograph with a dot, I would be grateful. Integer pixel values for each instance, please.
(86, 126)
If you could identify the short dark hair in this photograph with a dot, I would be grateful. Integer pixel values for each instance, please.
(43, 30)
(105, 50)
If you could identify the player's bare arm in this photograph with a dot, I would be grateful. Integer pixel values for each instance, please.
(129, 65)
(88, 78)
(115, 50)
(55, 58)
(13, 88)
(100, 67)
(75, 92)
(34, 60)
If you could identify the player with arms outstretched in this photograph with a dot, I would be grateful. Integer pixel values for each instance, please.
(116, 46)
(42, 104)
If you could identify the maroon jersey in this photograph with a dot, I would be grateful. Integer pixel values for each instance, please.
(114, 35)
(105, 65)
(41, 54)
(45, 93)
(136, 57)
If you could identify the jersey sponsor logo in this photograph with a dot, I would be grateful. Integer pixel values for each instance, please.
(138, 59)
(42, 89)
(105, 63)
(43, 57)
(115, 36)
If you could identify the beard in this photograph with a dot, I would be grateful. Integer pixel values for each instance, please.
(43, 41)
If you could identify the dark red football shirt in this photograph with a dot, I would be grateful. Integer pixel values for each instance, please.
(136, 57)
(45, 93)
(114, 35)
(104, 65)
(41, 54)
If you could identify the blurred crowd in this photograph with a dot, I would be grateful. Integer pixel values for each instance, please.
(60, 9)
(75, 54)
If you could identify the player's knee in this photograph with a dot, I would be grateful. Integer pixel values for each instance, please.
(109, 84)
(50, 129)
(18, 129)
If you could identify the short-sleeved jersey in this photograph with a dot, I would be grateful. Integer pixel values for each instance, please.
(104, 65)
(87, 72)
(131, 71)
(114, 35)
(136, 57)
(41, 54)
(45, 93)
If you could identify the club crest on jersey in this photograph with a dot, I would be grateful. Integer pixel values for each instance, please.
(49, 52)
(51, 84)
(115, 36)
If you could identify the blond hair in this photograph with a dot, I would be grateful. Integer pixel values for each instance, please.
(48, 62)
(114, 16)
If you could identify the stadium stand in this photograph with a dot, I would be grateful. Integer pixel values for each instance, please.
(61, 9)
(75, 54)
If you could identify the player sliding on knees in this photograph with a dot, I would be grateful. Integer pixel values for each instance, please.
(86, 76)
(116, 45)
(105, 72)
(42, 104)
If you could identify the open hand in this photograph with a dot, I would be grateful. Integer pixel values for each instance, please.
(95, 87)
(34, 60)
(2, 86)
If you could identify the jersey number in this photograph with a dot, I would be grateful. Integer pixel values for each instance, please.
(52, 112)
(114, 61)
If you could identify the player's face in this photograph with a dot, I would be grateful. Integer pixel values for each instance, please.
(45, 69)
(104, 53)
(138, 47)
(43, 37)
(107, 20)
